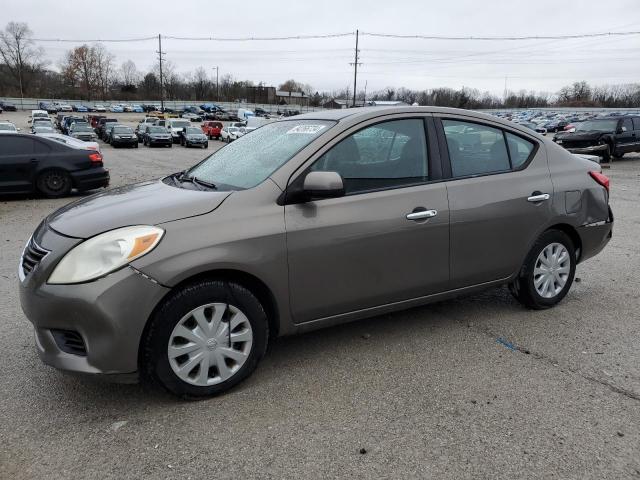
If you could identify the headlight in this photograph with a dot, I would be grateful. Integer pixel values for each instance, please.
(116, 136)
(105, 253)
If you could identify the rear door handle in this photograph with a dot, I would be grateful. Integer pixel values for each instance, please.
(422, 214)
(538, 197)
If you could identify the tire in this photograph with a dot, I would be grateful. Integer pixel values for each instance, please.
(170, 145)
(212, 299)
(135, 145)
(54, 183)
(206, 144)
(524, 289)
(606, 156)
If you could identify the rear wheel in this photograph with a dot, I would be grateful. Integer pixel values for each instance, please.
(547, 273)
(204, 339)
(606, 156)
(54, 183)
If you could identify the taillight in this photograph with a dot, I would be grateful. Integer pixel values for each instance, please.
(95, 158)
(600, 178)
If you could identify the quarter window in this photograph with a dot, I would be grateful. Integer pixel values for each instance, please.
(519, 149)
(386, 155)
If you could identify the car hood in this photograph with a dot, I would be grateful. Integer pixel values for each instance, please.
(148, 203)
(595, 135)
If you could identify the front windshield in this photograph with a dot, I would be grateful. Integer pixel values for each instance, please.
(597, 125)
(122, 130)
(193, 131)
(82, 128)
(157, 130)
(43, 128)
(251, 159)
(6, 126)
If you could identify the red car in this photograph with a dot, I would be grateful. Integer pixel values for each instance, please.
(212, 129)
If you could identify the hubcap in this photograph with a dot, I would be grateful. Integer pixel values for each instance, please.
(210, 344)
(552, 269)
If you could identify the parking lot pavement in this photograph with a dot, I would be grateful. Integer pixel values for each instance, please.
(476, 387)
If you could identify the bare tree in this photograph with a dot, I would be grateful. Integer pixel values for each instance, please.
(19, 53)
(200, 83)
(80, 67)
(104, 69)
(129, 74)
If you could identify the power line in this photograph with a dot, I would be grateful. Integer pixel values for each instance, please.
(347, 34)
(502, 38)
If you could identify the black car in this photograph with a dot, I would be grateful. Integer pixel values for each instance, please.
(122, 136)
(31, 164)
(102, 125)
(193, 137)
(156, 135)
(605, 137)
(8, 107)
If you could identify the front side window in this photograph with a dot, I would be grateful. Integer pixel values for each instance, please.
(386, 155)
(627, 124)
(249, 160)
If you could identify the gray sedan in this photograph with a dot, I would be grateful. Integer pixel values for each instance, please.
(308, 222)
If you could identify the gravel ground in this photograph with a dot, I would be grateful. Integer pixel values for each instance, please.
(426, 393)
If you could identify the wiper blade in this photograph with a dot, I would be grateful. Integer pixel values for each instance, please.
(195, 180)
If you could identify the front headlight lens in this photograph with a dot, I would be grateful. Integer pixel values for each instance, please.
(105, 253)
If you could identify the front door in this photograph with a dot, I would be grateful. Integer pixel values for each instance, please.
(386, 240)
(500, 196)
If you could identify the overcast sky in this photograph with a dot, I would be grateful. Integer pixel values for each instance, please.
(540, 65)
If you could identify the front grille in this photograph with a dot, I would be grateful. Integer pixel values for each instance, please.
(70, 341)
(32, 256)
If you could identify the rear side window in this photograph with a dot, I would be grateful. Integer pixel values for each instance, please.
(10, 145)
(475, 149)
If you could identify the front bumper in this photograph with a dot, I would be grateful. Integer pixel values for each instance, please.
(160, 141)
(108, 314)
(124, 141)
(591, 149)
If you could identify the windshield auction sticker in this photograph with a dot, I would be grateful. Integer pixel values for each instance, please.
(306, 129)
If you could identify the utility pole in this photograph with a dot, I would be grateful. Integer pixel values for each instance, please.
(355, 70)
(160, 53)
(216, 68)
(364, 102)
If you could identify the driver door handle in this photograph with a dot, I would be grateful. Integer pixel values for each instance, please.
(538, 197)
(422, 214)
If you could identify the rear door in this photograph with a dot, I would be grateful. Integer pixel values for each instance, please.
(17, 163)
(500, 196)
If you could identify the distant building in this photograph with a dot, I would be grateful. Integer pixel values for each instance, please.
(284, 97)
(336, 103)
(261, 94)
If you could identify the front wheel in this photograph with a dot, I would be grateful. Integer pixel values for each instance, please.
(204, 339)
(206, 144)
(547, 273)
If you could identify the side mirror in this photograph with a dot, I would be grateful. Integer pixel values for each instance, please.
(323, 185)
(622, 129)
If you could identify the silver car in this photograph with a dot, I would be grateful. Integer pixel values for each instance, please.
(308, 222)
